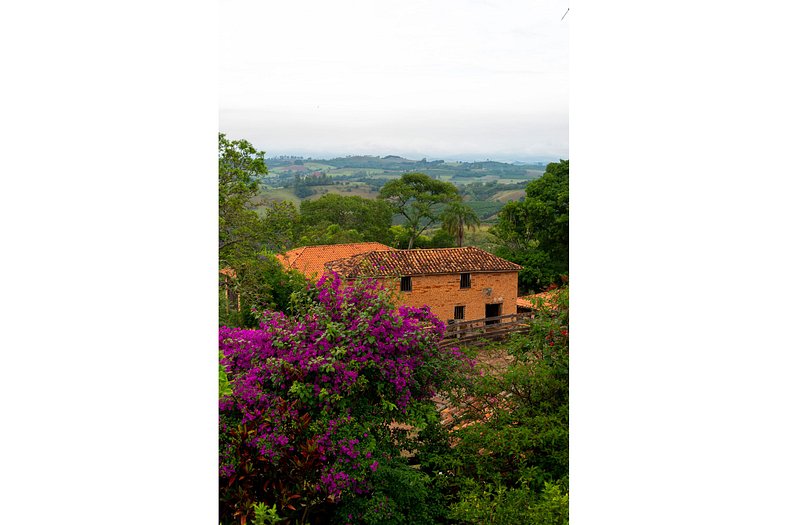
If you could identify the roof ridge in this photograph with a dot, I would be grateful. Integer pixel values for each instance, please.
(436, 249)
(345, 244)
(292, 263)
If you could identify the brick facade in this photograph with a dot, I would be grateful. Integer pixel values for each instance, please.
(442, 293)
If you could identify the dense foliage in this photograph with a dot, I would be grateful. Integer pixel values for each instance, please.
(509, 461)
(240, 168)
(329, 419)
(370, 219)
(315, 396)
(259, 283)
(534, 232)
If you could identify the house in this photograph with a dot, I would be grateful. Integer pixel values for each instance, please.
(311, 260)
(456, 283)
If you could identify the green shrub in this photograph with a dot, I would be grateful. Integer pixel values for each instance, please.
(265, 515)
(499, 505)
(402, 496)
(511, 464)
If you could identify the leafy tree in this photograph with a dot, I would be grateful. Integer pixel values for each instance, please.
(302, 191)
(329, 234)
(547, 208)
(281, 228)
(401, 238)
(416, 197)
(240, 168)
(534, 232)
(370, 218)
(260, 283)
(441, 239)
(457, 217)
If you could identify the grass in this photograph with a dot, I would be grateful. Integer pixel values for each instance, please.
(275, 194)
(347, 172)
(358, 189)
(508, 195)
(318, 166)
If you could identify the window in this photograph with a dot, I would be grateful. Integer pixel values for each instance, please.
(459, 312)
(405, 285)
(465, 280)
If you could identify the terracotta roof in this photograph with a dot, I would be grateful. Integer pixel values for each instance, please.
(529, 301)
(420, 262)
(310, 260)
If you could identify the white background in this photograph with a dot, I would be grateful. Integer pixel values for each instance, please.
(449, 79)
(109, 252)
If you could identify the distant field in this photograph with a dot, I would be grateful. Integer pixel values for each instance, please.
(318, 166)
(268, 195)
(383, 169)
(275, 194)
(358, 189)
(509, 195)
(347, 172)
(475, 178)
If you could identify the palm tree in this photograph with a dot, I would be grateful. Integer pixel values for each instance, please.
(457, 217)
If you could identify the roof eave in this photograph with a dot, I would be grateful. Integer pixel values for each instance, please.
(377, 276)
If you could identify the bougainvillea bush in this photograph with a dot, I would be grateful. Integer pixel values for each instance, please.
(323, 398)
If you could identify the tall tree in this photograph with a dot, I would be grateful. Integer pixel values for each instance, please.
(535, 231)
(547, 207)
(416, 197)
(240, 168)
(457, 217)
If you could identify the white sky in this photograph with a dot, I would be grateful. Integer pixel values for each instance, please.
(451, 79)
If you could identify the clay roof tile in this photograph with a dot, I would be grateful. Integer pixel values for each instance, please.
(310, 260)
(420, 262)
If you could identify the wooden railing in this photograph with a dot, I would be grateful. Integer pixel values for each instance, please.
(476, 331)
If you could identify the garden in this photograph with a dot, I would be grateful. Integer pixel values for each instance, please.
(343, 409)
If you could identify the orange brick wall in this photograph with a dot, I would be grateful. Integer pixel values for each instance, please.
(442, 293)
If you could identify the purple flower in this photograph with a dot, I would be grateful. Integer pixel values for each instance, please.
(300, 381)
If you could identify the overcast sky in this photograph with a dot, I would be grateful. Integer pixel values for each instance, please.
(450, 79)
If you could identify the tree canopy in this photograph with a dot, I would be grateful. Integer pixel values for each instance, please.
(256, 280)
(534, 232)
(281, 227)
(370, 219)
(240, 168)
(416, 197)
